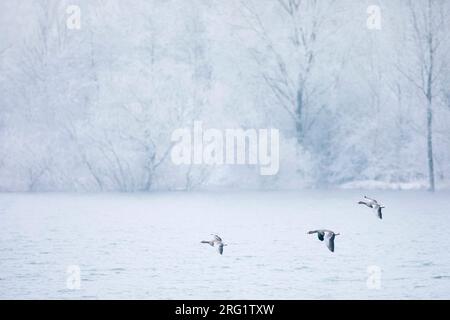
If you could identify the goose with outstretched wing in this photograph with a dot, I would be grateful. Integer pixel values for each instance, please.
(216, 240)
(326, 235)
(372, 203)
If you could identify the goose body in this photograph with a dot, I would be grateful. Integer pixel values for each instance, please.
(216, 240)
(326, 235)
(368, 202)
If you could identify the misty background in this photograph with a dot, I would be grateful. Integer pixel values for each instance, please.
(93, 109)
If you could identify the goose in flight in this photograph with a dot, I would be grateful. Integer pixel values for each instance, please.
(372, 203)
(216, 240)
(326, 235)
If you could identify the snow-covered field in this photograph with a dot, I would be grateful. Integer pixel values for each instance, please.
(147, 246)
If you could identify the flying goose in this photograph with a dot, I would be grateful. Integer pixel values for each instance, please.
(326, 235)
(217, 240)
(372, 203)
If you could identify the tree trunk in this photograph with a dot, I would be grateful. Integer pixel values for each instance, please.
(429, 95)
(299, 115)
(430, 146)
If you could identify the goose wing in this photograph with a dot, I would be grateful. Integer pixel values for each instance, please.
(217, 238)
(377, 209)
(220, 248)
(379, 214)
(211, 243)
(366, 203)
(329, 240)
(320, 234)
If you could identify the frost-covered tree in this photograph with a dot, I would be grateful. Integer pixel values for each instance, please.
(94, 108)
(426, 70)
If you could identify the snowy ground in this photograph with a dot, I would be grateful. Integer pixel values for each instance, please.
(148, 245)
